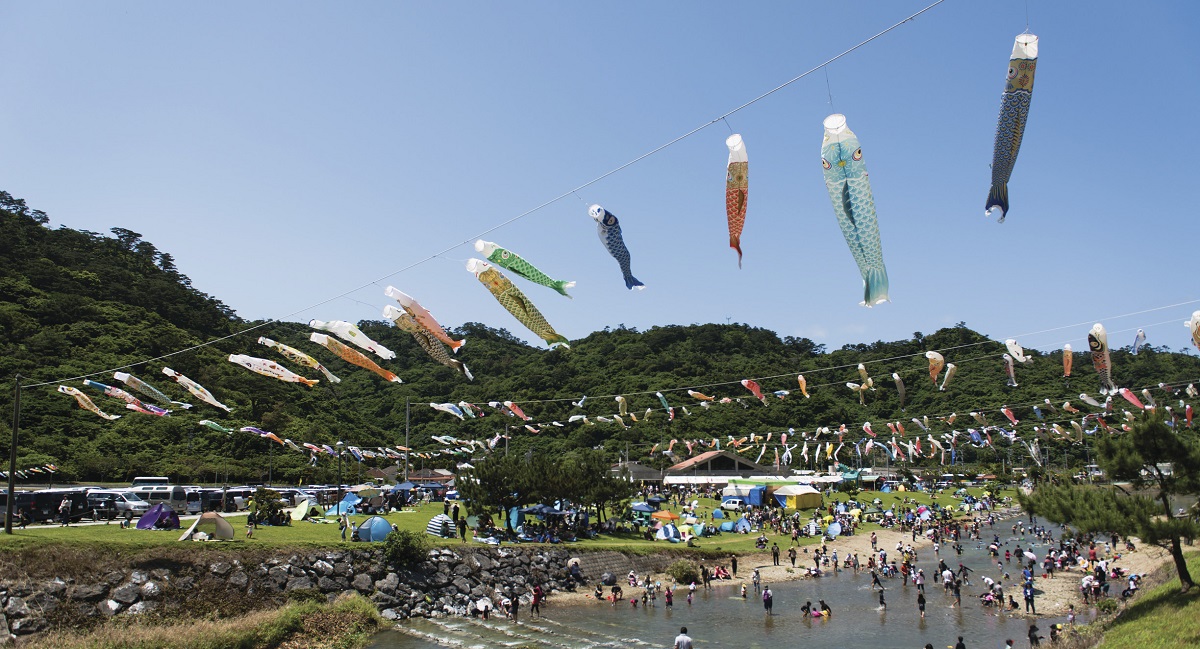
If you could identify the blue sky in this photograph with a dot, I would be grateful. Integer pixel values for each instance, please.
(286, 153)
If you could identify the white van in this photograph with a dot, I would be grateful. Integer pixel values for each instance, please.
(111, 503)
(173, 495)
(147, 481)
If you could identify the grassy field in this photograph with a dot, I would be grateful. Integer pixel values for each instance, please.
(1163, 618)
(326, 534)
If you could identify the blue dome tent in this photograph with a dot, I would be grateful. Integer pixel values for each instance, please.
(374, 529)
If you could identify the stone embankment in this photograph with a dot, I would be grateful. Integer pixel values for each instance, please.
(446, 583)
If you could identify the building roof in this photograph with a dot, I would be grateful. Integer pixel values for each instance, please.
(717, 462)
(637, 471)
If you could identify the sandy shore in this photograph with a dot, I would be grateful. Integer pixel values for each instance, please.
(1056, 593)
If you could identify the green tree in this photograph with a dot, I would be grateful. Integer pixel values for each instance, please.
(500, 483)
(1155, 460)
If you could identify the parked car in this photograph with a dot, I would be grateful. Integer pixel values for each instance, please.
(107, 504)
(733, 504)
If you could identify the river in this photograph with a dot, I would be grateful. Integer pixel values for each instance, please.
(721, 618)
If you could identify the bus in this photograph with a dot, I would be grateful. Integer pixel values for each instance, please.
(150, 481)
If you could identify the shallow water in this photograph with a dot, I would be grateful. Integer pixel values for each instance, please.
(721, 618)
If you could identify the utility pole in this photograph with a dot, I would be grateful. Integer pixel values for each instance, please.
(339, 489)
(407, 411)
(12, 456)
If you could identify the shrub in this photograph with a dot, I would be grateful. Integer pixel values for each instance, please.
(683, 572)
(300, 595)
(269, 504)
(405, 548)
(1106, 605)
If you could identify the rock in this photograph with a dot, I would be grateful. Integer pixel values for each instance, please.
(55, 588)
(303, 583)
(462, 570)
(462, 585)
(4, 631)
(185, 583)
(114, 578)
(297, 571)
(140, 608)
(16, 607)
(239, 580)
(89, 593)
(389, 614)
(126, 594)
(323, 567)
(45, 602)
(29, 625)
(327, 584)
(138, 577)
(441, 578)
(279, 575)
(383, 600)
(388, 584)
(151, 590)
(362, 583)
(109, 607)
(161, 574)
(220, 568)
(343, 569)
(483, 562)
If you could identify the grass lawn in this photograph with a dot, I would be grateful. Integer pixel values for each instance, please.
(324, 535)
(1163, 618)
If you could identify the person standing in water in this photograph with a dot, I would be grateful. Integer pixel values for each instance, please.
(921, 604)
(768, 599)
(683, 641)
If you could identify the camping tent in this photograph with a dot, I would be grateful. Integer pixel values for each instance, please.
(667, 532)
(718, 514)
(347, 506)
(375, 528)
(742, 525)
(727, 526)
(160, 517)
(441, 525)
(305, 510)
(798, 497)
(212, 524)
(750, 494)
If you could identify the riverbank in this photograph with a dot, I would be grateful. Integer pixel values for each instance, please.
(348, 622)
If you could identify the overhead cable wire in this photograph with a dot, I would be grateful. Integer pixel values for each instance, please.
(528, 212)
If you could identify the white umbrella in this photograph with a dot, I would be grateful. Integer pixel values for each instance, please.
(1031, 556)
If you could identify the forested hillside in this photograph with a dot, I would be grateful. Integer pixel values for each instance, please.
(73, 303)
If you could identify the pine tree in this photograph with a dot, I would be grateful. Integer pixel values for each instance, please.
(1158, 463)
